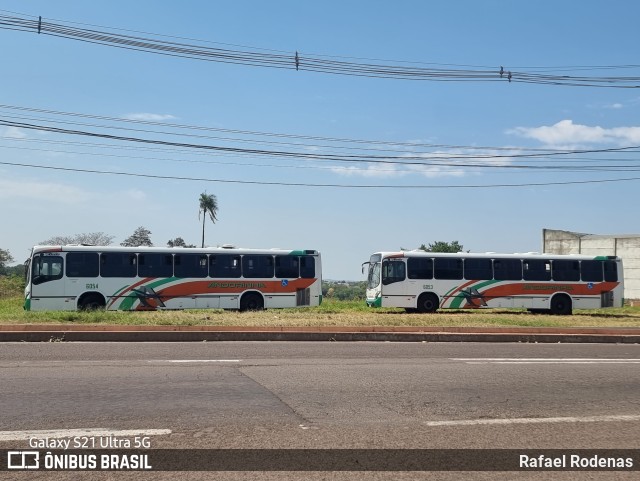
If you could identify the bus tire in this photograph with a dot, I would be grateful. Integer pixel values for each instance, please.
(428, 302)
(252, 301)
(561, 305)
(91, 302)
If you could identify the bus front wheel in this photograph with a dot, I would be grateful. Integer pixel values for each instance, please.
(428, 302)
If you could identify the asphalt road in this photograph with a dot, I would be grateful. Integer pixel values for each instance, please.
(327, 395)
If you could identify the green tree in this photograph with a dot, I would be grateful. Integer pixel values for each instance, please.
(344, 291)
(441, 246)
(87, 238)
(178, 242)
(5, 258)
(141, 237)
(208, 207)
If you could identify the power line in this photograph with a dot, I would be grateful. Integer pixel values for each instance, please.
(250, 56)
(304, 184)
(562, 168)
(514, 153)
(338, 140)
(412, 160)
(516, 159)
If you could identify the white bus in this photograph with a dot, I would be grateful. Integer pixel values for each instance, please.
(67, 278)
(425, 281)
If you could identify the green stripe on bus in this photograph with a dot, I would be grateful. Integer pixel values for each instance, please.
(128, 301)
(459, 298)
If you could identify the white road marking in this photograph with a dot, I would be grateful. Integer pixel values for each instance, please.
(70, 433)
(586, 419)
(554, 362)
(503, 360)
(201, 360)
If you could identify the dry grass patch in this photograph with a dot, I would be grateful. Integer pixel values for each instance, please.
(331, 313)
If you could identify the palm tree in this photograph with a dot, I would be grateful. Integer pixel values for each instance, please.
(208, 206)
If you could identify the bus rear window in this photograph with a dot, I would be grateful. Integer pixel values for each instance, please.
(610, 271)
(307, 267)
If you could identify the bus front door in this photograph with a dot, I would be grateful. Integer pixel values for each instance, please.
(48, 284)
(394, 285)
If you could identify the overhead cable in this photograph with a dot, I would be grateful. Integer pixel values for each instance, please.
(416, 160)
(298, 61)
(304, 184)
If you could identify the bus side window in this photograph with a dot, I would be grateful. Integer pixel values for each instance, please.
(507, 269)
(565, 270)
(287, 267)
(393, 271)
(118, 264)
(477, 269)
(82, 264)
(448, 268)
(537, 270)
(224, 266)
(155, 265)
(420, 268)
(46, 268)
(591, 271)
(190, 265)
(257, 266)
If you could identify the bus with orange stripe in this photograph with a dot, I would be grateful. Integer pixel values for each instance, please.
(424, 282)
(68, 278)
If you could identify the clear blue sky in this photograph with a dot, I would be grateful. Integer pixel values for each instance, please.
(345, 224)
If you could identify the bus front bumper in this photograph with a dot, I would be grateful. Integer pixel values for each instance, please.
(377, 302)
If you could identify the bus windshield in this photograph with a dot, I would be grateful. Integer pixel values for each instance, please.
(373, 279)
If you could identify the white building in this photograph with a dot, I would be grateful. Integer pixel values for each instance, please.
(626, 246)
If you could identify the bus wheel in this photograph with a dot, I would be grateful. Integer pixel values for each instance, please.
(91, 302)
(428, 302)
(561, 305)
(251, 302)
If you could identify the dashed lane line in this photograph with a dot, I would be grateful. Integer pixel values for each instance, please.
(570, 419)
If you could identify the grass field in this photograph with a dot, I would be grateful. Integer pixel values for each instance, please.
(330, 313)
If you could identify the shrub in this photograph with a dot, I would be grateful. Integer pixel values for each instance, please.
(11, 286)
